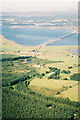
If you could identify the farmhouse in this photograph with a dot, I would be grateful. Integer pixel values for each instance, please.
(38, 66)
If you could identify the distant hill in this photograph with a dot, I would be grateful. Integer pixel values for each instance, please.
(55, 14)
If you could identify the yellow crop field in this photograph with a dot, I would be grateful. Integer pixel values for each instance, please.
(50, 87)
(52, 84)
(72, 93)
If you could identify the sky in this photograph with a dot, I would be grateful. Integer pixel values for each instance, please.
(38, 5)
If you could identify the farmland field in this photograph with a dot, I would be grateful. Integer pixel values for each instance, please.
(50, 87)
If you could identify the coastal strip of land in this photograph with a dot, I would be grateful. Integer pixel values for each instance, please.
(48, 42)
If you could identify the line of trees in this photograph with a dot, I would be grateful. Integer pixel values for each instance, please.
(15, 58)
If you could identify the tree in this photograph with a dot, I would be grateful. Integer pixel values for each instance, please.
(65, 79)
(27, 83)
(75, 77)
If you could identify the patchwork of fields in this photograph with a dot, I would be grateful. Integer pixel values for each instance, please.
(40, 81)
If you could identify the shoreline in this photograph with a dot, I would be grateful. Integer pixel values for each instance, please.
(75, 31)
(27, 50)
(63, 27)
(44, 44)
